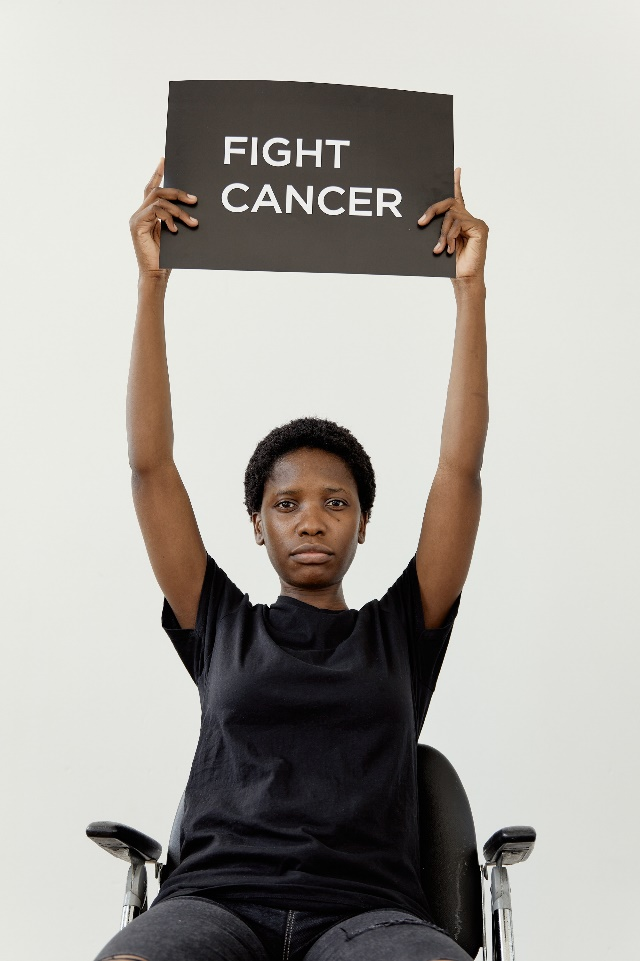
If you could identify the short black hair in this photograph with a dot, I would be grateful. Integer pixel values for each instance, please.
(315, 433)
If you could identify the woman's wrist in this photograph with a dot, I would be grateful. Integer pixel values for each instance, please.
(469, 287)
(153, 281)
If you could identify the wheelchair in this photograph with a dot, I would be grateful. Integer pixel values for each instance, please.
(451, 876)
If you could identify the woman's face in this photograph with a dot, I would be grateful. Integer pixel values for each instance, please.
(310, 519)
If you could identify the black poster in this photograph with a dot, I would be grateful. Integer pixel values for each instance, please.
(308, 177)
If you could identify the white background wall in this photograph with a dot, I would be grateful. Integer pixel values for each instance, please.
(536, 702)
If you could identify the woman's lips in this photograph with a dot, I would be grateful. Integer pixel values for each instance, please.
(312, 554)
(312, 557)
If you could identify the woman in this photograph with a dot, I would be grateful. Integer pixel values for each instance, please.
(300, 833)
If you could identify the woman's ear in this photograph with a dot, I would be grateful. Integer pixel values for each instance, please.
(362, 528)
(256, 520)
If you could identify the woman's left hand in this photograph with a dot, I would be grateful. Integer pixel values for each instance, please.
(461, 233)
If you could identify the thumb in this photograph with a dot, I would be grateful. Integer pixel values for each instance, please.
(156, 178)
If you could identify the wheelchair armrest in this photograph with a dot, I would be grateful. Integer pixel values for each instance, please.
(124, 842)
(512, 845)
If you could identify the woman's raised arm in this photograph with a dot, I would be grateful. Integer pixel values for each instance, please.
(162, 505)
(452, 513)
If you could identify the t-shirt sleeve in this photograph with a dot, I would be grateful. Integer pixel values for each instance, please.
(426, 646)
(218, 597)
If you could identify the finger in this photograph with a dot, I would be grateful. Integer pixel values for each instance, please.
(435, 209)
(156, 178)
(163, 214)
(456, 185)
(147, 216)
(452, 234)
(444, 230)
(175, 211)
(171, 193)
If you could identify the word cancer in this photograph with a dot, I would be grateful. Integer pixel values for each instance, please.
(267, 198)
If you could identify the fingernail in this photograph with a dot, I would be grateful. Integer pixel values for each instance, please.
(422, 219)
(192, 196)
(193, 220)
(436, 247)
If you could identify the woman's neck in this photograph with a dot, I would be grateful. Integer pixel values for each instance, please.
(330, 598)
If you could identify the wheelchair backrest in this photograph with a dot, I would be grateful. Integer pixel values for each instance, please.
(449, 868)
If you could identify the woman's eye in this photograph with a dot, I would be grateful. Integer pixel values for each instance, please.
(336, 502)
(286, 505)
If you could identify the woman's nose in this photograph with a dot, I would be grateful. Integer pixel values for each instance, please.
(310, 523)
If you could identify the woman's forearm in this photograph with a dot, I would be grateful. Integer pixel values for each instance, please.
(466, 416)
(149, 420)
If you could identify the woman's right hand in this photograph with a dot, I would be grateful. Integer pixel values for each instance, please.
(145, 222)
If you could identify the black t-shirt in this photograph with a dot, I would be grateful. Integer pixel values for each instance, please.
(302, 792)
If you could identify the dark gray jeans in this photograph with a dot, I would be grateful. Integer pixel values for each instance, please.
(198, 929)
